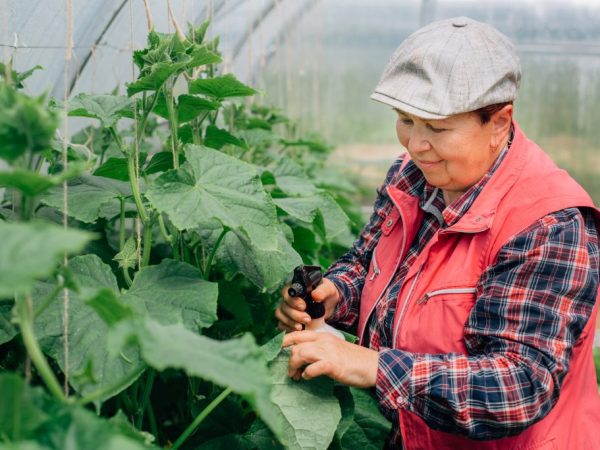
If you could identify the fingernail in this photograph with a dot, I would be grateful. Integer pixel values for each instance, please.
(298, 327)
(306, 320)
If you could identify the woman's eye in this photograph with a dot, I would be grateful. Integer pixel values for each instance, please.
(434, 129)
(406, 121)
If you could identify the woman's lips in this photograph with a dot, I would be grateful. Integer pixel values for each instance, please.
(429, 163)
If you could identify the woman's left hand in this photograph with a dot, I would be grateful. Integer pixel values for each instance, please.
(314, 354)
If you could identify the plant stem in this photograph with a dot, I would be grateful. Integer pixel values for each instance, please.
(127, 277)
(136, 189)
(107, 390)
(145, 397)
(213, 252)
(173, 125)
(198, 420)
(33, 348)
(147, 244)
(163, 229)
(122, 225)
(144, 121)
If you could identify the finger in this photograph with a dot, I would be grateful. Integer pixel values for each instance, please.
(294, 314)
(299, 337)
(286, 320)
(294, 302)
(300, 356)
(316, 369)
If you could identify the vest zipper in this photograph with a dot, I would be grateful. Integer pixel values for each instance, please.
(405, 305)
(376, 270)
(362, 332)
(428, 295)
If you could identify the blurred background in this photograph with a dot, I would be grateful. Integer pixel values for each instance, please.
(320, 59)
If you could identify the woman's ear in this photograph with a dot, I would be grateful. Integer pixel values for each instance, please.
(500, 122)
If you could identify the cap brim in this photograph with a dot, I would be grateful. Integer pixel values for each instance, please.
(405, 107)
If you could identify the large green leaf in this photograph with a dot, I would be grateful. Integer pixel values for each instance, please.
(30, 251)
(236, 363)
(335, 222)
(213, 186)
(292, 179)
(29, 420)
(306, 202)
(221, 87)
(108, 109)
(266, 268)
(89, 197)
(25, 123)
(310, 409)
(174, 292)
(91, 366)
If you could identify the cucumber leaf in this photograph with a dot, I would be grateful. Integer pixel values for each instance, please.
(213, 186)
(31, 251)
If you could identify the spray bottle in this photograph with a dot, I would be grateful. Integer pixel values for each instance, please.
(306, 279)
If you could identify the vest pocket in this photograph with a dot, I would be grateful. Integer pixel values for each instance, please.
(435, 324)
(441, 293)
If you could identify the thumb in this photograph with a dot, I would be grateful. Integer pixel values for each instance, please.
(325, 290)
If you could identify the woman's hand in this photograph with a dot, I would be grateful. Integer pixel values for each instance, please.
(314, 354)
(290, 311)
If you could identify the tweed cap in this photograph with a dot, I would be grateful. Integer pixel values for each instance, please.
(449, 67)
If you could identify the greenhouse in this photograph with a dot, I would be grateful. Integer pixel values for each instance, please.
(214, 238)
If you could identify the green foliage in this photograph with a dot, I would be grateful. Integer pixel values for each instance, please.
(26, 124)
(152, 304)
(33, 421)
(31, 251)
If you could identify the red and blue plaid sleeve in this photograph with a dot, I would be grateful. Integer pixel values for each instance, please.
(532, 307)
(348, 272)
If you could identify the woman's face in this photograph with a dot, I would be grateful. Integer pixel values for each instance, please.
(454, 153)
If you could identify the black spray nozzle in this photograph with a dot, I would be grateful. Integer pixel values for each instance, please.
(306, 279)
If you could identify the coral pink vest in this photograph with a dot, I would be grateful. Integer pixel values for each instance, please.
(439, 292)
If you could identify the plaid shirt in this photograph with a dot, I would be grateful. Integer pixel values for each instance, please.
(518, 352)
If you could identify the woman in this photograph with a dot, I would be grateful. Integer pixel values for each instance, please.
(474, 283)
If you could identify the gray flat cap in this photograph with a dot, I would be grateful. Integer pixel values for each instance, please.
(449, 67)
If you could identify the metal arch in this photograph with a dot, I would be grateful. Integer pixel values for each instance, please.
(77, 73)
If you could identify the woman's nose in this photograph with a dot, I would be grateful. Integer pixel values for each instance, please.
(417, 142)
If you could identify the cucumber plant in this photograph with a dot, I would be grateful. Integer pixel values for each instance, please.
(186, 210)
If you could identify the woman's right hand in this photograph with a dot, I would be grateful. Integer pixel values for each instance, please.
(291, 311)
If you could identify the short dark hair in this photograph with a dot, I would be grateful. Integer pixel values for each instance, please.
(486, 112)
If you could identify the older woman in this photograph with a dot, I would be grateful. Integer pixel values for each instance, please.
(474, 283)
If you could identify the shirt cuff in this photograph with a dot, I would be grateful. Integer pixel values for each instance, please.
(344, 306)
(393, 378)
